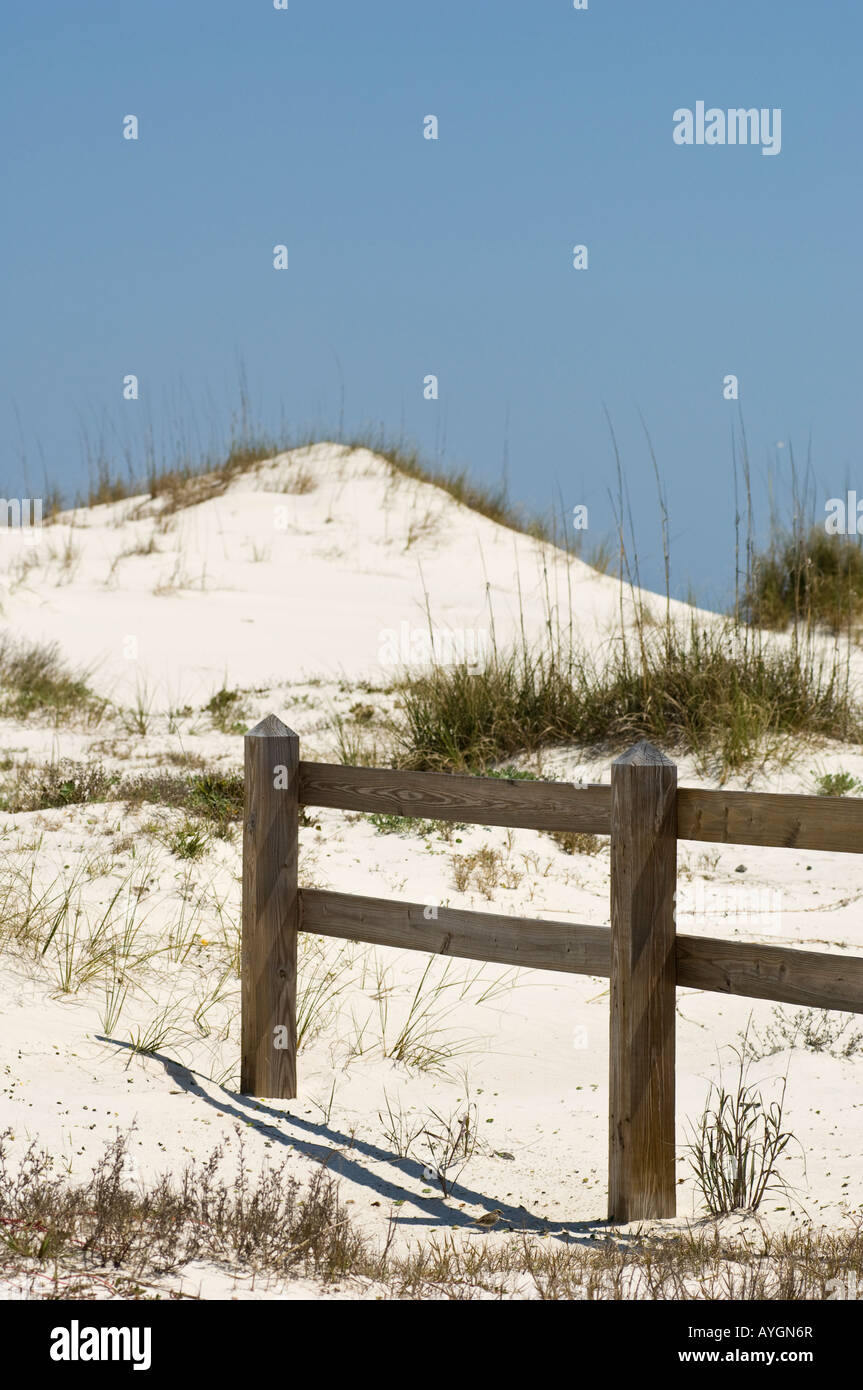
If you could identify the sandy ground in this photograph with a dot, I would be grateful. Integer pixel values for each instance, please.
(295, 617)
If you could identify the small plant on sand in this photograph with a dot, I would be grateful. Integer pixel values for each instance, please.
(387, 824)
(189, 840)
(443, 1144)
(813, 1030)
(352, 748)
(837, 784)
(400, 1132)
(108, 1221)
(58, 784)
(225, 709)
(34, 679)
(152, 1037)
(421, 1041)
(322, 978)
(137, 719)
(218, 797)
(511, 773)
(577, 841)
(450, 1142)
(487, 869)
(736, 1147)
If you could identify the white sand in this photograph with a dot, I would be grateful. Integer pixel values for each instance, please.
(297, 617)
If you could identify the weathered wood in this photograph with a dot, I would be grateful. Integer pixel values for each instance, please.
(476, 800)
(643, 754)
(268, 1063)
(643, 979)
(812, 979)
(740, 818)
(770, 818)
(447, 931)
(645, 814)
(816, 979)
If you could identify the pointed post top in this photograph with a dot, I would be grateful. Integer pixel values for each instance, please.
(271, 727)
(643, 754)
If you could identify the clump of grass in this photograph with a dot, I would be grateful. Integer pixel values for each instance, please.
(488, 499)
(35, 680)
(421, 1041)
(717, 691)
(214, 796)
(807, 575)
(225, 708)
(155, 788)
(193, 481)
(299, 482)
(218, 796)
(487, 869)
(737, 1145)
(837, 784)
(352, 749)
(321, 979)
(577, 841)
(188, 841)
(58, 784)
(151, 1038)
(387, 824)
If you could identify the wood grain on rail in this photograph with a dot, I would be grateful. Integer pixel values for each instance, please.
(476, 800)
(488, 936)
(771, 818)
(721, 817)
(785, 974)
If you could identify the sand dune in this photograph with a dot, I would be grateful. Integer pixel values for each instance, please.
(300, 598)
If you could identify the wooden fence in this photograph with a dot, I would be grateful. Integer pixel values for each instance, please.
(645, 815)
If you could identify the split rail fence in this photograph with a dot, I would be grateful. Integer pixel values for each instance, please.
(644, 813)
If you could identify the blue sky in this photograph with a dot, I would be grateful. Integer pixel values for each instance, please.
(453, 257)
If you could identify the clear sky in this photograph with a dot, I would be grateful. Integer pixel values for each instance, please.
(409, 257)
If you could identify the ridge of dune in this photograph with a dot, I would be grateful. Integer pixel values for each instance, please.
(266, 583)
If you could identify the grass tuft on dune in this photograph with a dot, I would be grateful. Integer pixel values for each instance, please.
(723, 693)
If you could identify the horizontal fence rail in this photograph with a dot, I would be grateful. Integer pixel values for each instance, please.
(785, 974)
(770, 819)
(453, 931)
(765, 819)
(644, 813)
(439, 796)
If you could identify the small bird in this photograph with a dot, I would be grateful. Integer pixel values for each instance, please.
(488, 1219)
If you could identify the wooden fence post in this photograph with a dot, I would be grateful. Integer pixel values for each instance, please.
(641, 1163)
(268, 1061)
